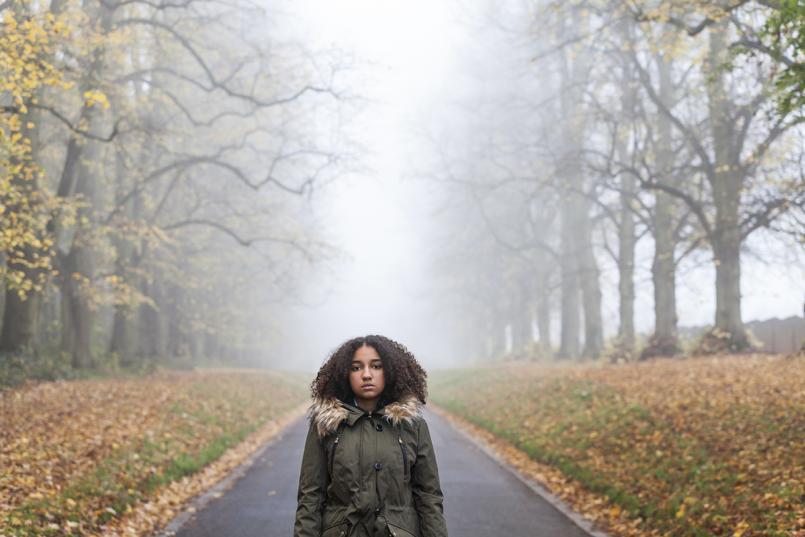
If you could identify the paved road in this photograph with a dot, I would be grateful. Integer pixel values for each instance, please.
(481, 498)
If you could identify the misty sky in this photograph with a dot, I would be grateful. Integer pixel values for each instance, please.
(409, 65)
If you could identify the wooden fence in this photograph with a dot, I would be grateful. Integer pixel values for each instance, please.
(779, 335)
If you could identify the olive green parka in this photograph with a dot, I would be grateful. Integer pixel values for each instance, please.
(368, 474)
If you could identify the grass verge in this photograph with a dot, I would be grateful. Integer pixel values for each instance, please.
(690, 447)
(79, 455)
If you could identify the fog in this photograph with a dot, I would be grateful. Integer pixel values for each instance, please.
(415, 64)
(253, 183)
(380, 218)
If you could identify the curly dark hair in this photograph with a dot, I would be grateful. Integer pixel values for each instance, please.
(402, 373)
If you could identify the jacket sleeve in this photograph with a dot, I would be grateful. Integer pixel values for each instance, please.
(312, 487)
(427, 491)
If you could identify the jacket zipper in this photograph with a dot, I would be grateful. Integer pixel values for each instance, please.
(360, 454)
(405, 458)
(332, 453)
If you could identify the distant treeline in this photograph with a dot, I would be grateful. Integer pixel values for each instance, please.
(620, 140)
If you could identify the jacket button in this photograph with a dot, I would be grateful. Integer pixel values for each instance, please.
(378, 465)
(377, 510)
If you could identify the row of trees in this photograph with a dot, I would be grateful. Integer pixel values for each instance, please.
(155, 157)
(615, 124)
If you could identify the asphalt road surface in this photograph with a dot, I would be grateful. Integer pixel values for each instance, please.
(482, 499)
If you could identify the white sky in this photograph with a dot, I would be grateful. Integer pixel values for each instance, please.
(409, 53)
(405, 51)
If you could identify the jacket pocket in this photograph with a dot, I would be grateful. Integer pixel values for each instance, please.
(396, 531)
(339, 530)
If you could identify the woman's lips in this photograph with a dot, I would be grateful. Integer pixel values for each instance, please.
(368, 386)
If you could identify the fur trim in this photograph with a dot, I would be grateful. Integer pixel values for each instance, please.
(328, 413)
(407, 409)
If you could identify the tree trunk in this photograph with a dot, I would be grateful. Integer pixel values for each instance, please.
(628, 187)
(151, 335)
(119, 343)
(21, 313)
(20, 317)
(574, 72)
(78, 263)
(727, 181)
(665, 340)
(590, 283)
(544, 312)
(521, 319)
(76, 315)
(626, 259)
(569, 337)
(728, 289)
(663, 274)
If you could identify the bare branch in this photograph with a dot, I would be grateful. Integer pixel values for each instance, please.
(108, 138)
(694, 141)
(156, 5)
(232, 233)
(690, 29)
(216, 84)
(770, 210)
(684, 196)
(58, 115)
(774, 54)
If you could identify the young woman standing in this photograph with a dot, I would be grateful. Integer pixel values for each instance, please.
(368, 467)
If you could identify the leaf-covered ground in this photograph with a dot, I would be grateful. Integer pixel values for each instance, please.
(79, 457)
(683, 447)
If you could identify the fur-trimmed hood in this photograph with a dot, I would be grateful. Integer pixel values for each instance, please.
(328, 413)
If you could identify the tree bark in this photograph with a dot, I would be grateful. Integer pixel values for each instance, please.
(78, 172)
(589, 279)
(570, 312)
(663, 269)
(77, 317)
(20, 318)
(626, 260)
(151, 337)
(727, 180)
(628, 189)
(544, 312)
(579, 269)
(521, 319)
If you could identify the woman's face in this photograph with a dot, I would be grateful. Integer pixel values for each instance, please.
(366, 374)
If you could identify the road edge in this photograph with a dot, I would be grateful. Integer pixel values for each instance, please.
(538, 488)
(200, 501)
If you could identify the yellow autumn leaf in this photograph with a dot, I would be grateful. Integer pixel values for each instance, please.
(93, 97)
